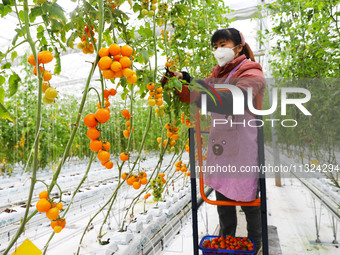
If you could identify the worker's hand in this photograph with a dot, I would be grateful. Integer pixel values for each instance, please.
(179, 75)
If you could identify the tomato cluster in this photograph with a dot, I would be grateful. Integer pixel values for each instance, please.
(157, 187)
(146, 196)
(113, 4)
(91, 120)
(229, 243)
(172, 134)
(163, 34)
(171, 65)
(44, 57)
(148, 10)
(52, 209)
(187, 147)
(134, 180)
(181, 167)
(184, 119)
(115, 62)
(85, 46)
(162, 13)
(160, 111)
(126, 114)
(155, 95)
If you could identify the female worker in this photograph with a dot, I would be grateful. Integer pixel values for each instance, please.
(232, 145)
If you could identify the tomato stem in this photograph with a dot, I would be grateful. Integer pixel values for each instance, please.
(71, 201)
(100, 101)
(37, 129)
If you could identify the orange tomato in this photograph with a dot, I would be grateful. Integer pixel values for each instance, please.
(109, 164)
(123, 156)
(43, 205)
(47, 76)
(90, 120)
(112, 92)
(109, 74)
(126, 50)
(132, 79)
(106, 145)
(93, 133)
(31, 60)
(104, 52)
(150, 86)
(125, 62)
(45, 57)
(96, 145)
(116, 66)
(43, 194)
(102, 115)
(114, 49)
(144, 180)
(136, 185)
(52, 213)
(124, 175)
(103, 156)
(104, 63)
(59, 206)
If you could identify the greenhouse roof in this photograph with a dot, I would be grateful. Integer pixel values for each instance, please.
(76, 65)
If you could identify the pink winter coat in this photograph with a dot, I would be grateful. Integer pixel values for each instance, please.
(234, 147)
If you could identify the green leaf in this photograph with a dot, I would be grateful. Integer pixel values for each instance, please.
(6, 66)
(123, 96)
(147, 30)
(139, 59)
(15, 38)
(63, 36)
(145, 55)
(2, 95)
(2, 80)
(40, 28)
(57, 67)
(35, 12)
(56, 12)
(56, 26)
(167, 99)
(71, 39)
(8, 2)
(13, 81)
(107, 37)
(22, 15)
(4, 114)
(175, 83)
(14, 54)
(136, 7)
(93, 13)
(40, 35)
(4, 10)
(44, 41)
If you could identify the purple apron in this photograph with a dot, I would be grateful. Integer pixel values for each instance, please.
(232, 148)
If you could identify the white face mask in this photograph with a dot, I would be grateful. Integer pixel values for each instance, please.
(224, 55)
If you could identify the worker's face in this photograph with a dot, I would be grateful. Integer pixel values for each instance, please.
(223, 43)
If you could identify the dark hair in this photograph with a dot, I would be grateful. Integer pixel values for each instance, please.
(232, 34)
